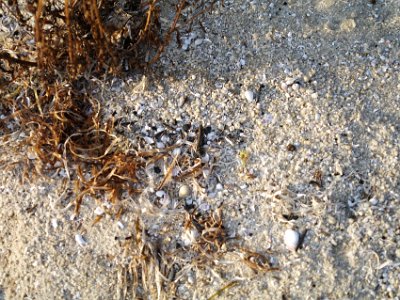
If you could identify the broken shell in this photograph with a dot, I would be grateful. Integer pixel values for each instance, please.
(120, 225)
(291, 239)
(79, 239)
(249, 95)
(184, 191)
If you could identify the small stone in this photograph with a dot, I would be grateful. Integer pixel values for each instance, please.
(184, 191)
(291, 239)
(249, 95)
(291, 148)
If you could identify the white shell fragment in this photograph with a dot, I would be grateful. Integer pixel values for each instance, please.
(291, 239)
(54, 223)
(184, 191)
(249, 95)
(79, 239)
(190, 236)
(98, 211)
(120, 225)
(160, 194)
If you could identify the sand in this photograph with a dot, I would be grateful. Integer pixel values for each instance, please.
(316, 149)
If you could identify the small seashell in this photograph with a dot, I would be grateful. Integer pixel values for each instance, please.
(160, 145)
(291, 239)
(79, 239)
(31, 155)
(191, 278)
(181, 101)
(107, 205)
(219, 187)
(176, 151)
(189, 202)
(149, 140)
(165, 139)
(373, 201)
(184, 191)
(249, 95)
(205, 159)
(160, 194)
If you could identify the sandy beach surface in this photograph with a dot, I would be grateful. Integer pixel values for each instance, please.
(299, 102)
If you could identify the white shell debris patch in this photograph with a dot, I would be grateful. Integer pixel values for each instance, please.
(80, 241)
(291, 239)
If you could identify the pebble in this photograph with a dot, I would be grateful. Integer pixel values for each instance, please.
(184, 191)
(249, 95)
(291, 239)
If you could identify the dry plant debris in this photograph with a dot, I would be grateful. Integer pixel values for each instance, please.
(53, 48)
